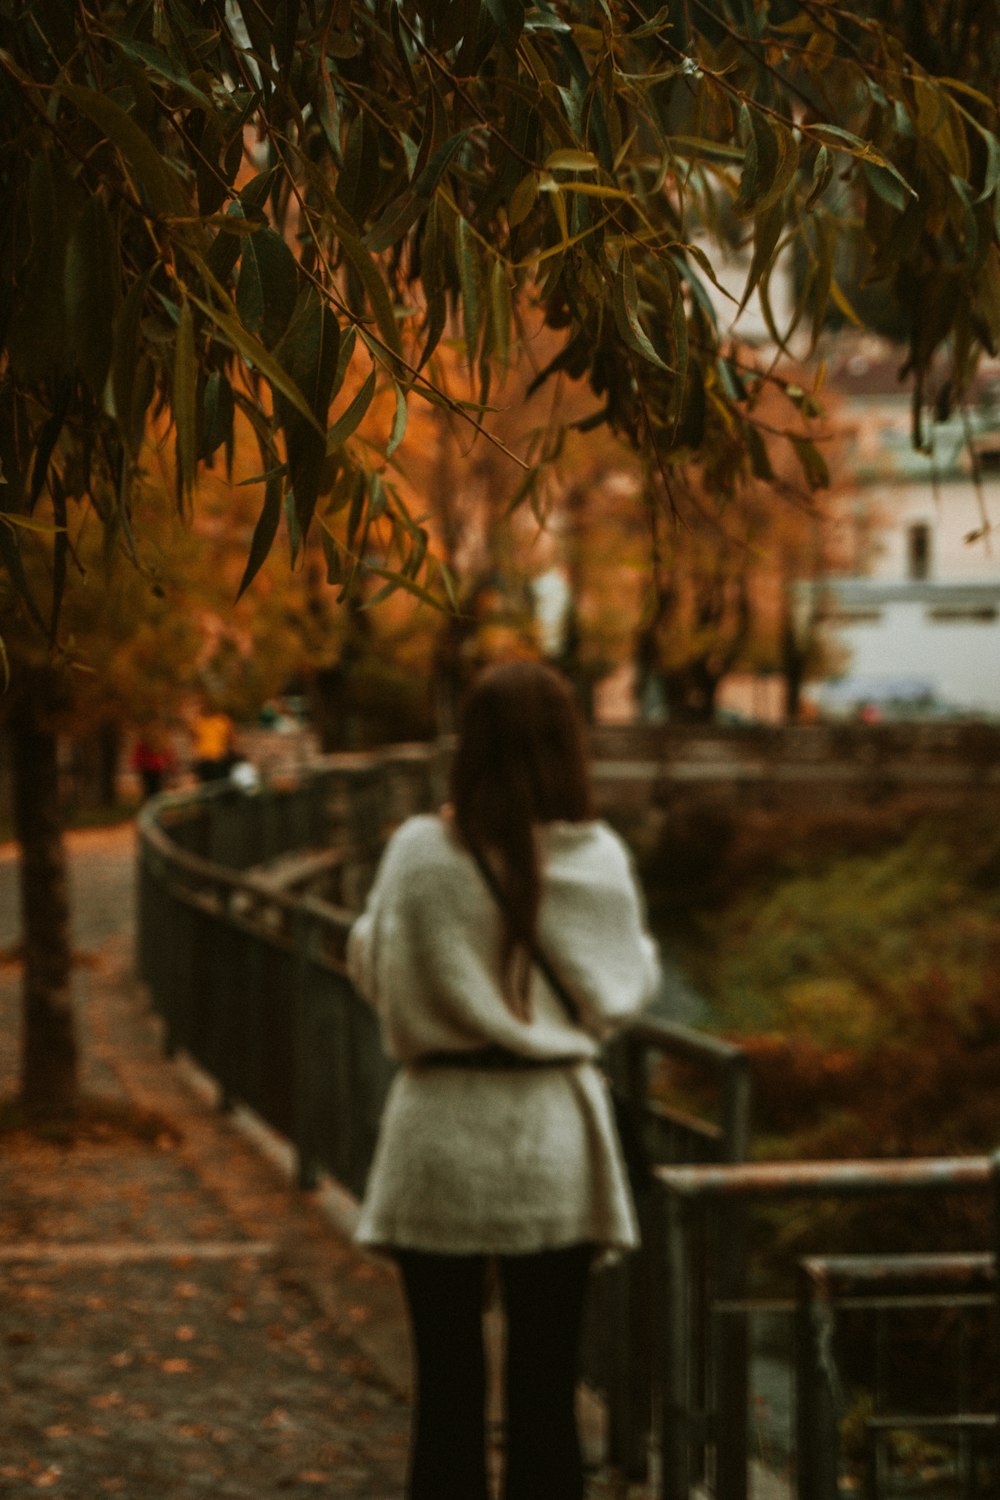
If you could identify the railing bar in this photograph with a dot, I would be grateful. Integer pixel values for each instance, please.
(679, 1040)
(889, 1421)
(734, 1308)
(790, 1179)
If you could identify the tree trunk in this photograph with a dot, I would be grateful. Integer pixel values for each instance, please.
(49, 1077)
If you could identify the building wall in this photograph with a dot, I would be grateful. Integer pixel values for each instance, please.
(960, 658)
(923, 597)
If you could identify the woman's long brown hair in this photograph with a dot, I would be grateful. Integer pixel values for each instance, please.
(521, 760)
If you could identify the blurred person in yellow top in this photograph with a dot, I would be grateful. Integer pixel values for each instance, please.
(213, 745)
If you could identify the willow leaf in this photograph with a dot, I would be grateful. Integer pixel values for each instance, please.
(125, 359)
(377, 292)
(267, 286)
(522, 199)
(350, 419)
(399, 423)
(468, 273)
(253, 351)
(626, 310)
(185, 395)
(92, 258)
(153, 173)
(264, 532)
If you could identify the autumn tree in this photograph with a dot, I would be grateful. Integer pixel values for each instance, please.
(217, 208)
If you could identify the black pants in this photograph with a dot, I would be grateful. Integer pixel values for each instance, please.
(543, 1298)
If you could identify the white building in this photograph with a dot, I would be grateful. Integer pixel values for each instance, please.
(917, 617)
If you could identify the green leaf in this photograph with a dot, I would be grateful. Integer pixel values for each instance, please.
(400, 215)
(253, 351)
(501, 312)
(399, 423)
(219, 411)
(125, 389)
(310, 353)
(766, 232)
(626, 311)
(522, 199)
(888, 179)
(572, 161)
(405, 210)
(813, 463)
(267, 286)
(890, 186)
(468, 275)
(760, 459)
(409, 585)
(772, 159)
(159, 62)
(244, 216)
(264, 533)
(349, 420)
(154, 176)
(426, 181)
(92, 292)
(29, 523)
(377, 292)
(822, 172)
(185, 399)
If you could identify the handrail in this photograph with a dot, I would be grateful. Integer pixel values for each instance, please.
(687, 1190)
(776, 1179)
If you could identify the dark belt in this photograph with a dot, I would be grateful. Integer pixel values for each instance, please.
(489, 1059)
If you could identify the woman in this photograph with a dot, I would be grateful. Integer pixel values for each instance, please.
(497, 1145)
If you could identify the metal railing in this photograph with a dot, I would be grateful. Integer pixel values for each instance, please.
(957, 1440)
(700, 1432)
(245, 901)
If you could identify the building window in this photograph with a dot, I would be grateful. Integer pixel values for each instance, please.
(918, 550)
(982, 614)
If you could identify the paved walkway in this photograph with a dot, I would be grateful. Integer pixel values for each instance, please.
(175, 1319)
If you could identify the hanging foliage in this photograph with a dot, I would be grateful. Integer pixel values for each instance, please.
(223, 207)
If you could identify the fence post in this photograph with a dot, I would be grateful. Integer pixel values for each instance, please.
(630, 1411)
(308, 1170)
(817, 1447)
(673, 1334)
(731, 1427)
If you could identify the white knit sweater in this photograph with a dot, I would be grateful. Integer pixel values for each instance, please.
(505, 1161)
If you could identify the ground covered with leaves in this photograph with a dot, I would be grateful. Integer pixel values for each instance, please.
(175, 1320)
